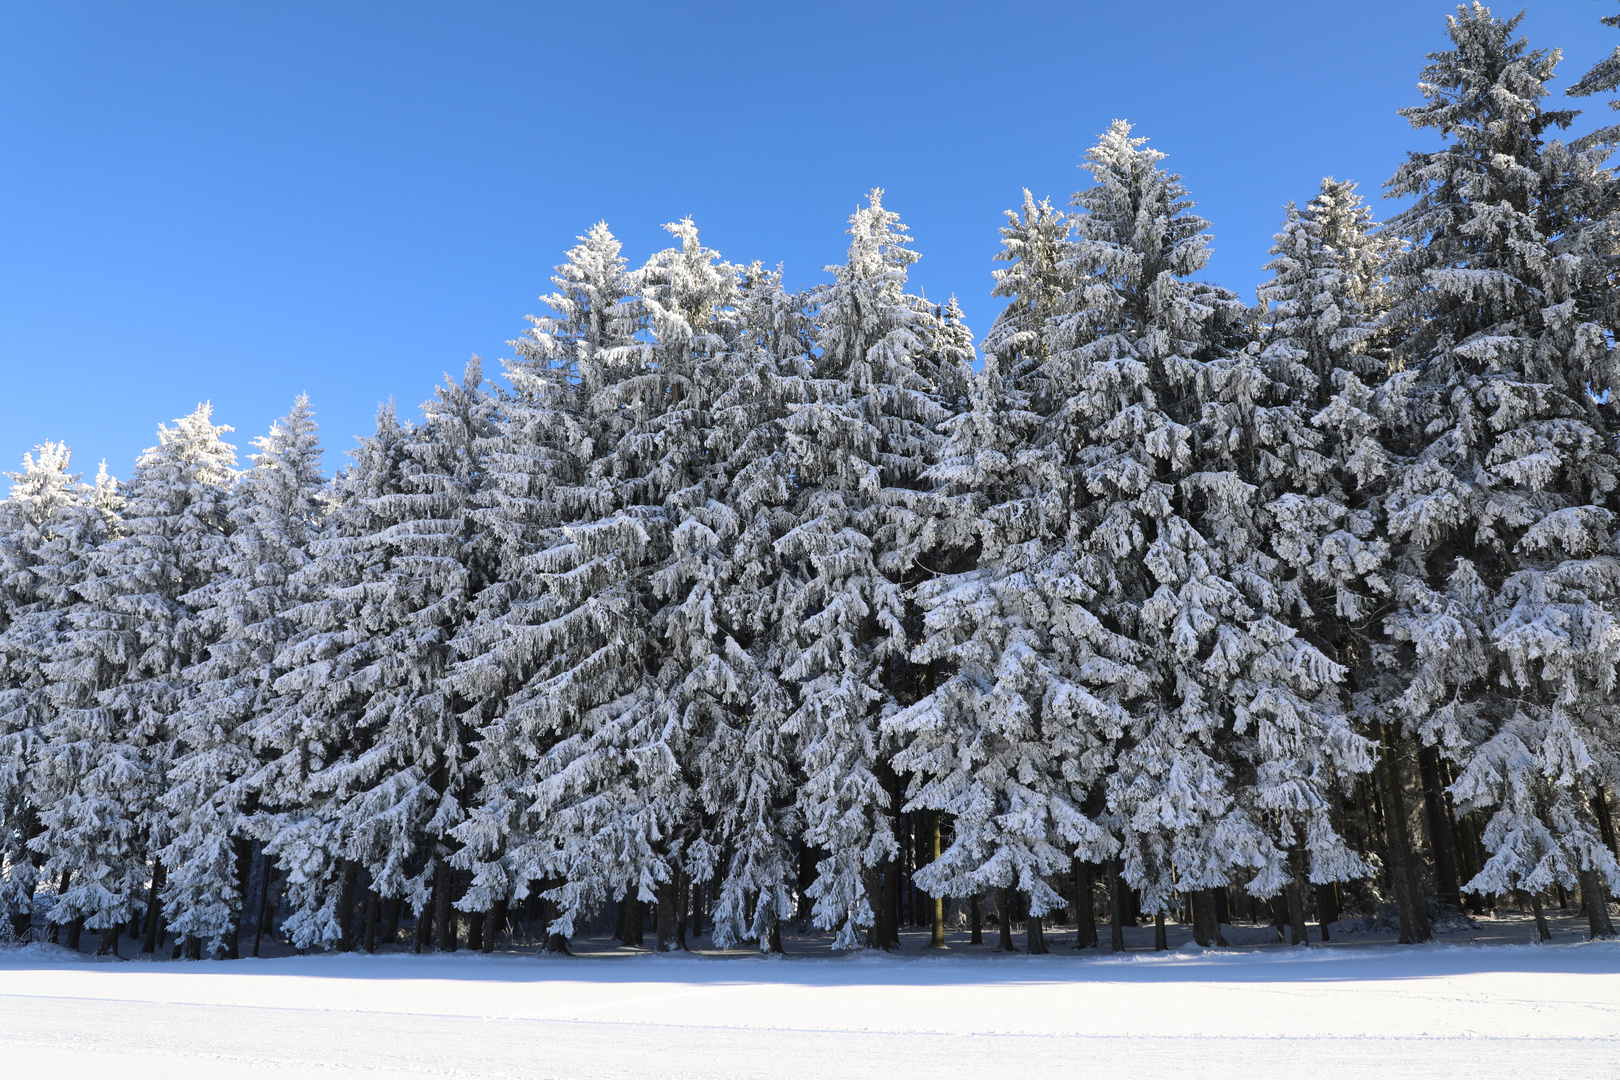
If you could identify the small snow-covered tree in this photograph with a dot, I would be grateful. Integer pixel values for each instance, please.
(274, 509)
(1502, 519)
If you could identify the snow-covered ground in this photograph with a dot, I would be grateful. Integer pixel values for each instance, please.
(1346, 1011)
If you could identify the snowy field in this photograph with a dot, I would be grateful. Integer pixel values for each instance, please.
(1348, 1010)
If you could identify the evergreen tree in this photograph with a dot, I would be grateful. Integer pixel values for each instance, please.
(118, 680)
(858, 448)
(1503, 514)
(48, 525)
(241, 612)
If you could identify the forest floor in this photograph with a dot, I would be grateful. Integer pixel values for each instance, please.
(1480, 1003)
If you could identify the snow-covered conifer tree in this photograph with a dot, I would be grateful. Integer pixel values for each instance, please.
(274, 510)
(48, 525)
(1503, 516)
(117, 682)
(1014, 742)
(858, 447)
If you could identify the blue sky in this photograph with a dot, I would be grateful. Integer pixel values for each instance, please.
(240, 202)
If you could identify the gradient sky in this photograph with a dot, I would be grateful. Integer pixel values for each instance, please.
(239, 202)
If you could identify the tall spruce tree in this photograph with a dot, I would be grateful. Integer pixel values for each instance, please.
(858, 448)
(1503, 516)
(117, 682)
(241, 611)
(48, 525)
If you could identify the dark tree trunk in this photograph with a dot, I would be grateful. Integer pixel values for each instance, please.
(1440, 834)
(975, 921)
(634, 932)
(390, 926)
(475, 930)
(1085, 936)
(497, 923)
(154, 909)
(1004, 910)
(669, 914)
(75, 930)
(1542, 933)
(1596, 899)
(1327, 906)
(108, 945)
(1402, 864)
(1117, 895)
(368, 937)
(266, 870)
(891, 904)
(193, 948)
(1161, 941)
(351, 877)
(683, 901)
(1206, 927)
(696, 889)
(444, 915)
(1297, 933)
(1035, 936)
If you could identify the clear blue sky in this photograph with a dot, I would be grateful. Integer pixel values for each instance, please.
(238, 202)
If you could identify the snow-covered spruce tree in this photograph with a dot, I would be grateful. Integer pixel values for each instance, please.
(274, 510)
(556, 641)
(625, 800)
(1168, 539)
(1320, 469)
(326, 669)
(1503, 518)
(117, 682)
(400, 795)
(1013, 743)
(48, 524)
(858, 448)
(745, 761)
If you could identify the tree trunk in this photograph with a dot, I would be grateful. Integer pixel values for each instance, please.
(1327, 906)
(1161, 941)
(936, 909)
(1085, 935)
(1296, 898)
(242, 851)
(669, 915)
(444, 914)
(1440, 836)
(351, 876)
(891, 904)
(373, 912)
(683, 900)
(1004, 917)
(1596, 899)
(1542, 933)
(1402, 865)
(390, 925)
(1206, 927)
(975, 921)
(1035, 936)
(154, 908)
(75, 930)
(497, 923)
(696, 899)
(475, 930)
(1116, 906)
(556, 944)
(193, 948)
(634, 932)
(265, 871)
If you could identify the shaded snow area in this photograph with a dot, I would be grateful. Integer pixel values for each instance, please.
(1438, 1011)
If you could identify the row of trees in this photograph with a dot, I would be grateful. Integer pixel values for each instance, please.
(762, 604)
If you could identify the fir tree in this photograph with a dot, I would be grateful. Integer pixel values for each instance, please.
(241, 612)
(1503, 515)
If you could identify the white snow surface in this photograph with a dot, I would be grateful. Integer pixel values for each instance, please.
(1437, 1011)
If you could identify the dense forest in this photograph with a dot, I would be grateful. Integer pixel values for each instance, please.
(729, 606)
